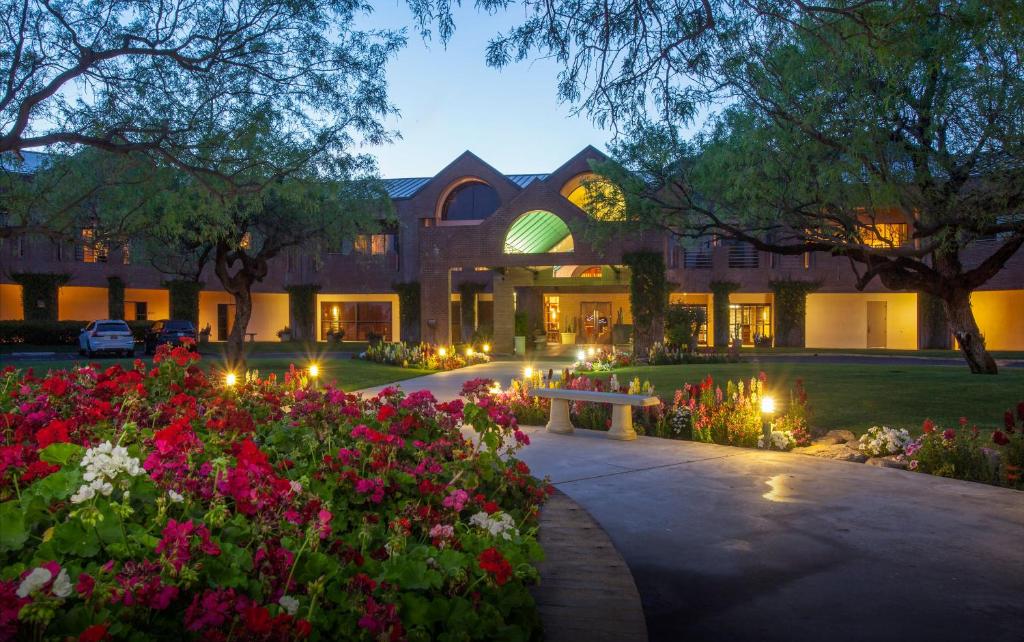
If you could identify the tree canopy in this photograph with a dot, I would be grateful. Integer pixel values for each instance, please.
(888, 133)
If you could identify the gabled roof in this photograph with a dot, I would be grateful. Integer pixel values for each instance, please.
(399, 188)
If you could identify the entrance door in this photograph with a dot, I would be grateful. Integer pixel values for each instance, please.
(225, 320)
(877, 314)
(597, 322)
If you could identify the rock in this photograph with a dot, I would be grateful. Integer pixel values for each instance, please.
(841, 452)
(843, 436)
(887, 462)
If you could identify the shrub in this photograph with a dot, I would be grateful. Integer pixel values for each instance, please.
(601, 360)
(662, 355)
(964, 454)
(140, 503)
(682, 323)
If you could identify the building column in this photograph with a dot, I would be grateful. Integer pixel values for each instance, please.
(435, 306)
(504, 314)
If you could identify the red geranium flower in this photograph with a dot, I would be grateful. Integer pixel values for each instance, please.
(492, 561)
(928, 426)
(94, 633)
(1000, 438)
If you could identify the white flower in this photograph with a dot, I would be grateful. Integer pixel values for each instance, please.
(176, 497)
(103, 464)
(499, 524)
(289, 604)
(34, 581)
(62, 585)
(296, 487)
(882, 440)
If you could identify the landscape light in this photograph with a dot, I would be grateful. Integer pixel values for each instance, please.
(527, 372)
(441, 352)
(314, 370)
(487, 348)
(591, 350)
(469, 352)
(767, 404)
(581, 355)
(230, 379)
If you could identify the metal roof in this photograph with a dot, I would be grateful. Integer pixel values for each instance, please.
(537, 232)
(32, 162)
(522, 180)
(404, 187)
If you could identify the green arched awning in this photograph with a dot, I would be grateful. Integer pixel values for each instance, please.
(538, 232)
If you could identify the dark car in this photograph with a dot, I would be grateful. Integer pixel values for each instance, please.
(172, 331)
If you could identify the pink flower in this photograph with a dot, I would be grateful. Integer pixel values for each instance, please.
(324, 518)
(442, 531)
(372, 487)
(456, 500)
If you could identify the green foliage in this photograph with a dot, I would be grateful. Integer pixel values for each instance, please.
(522, 324)
(791, 310)
(302, 306)
(648, 292)
(720, 291)
(682, 324)
(409, 309)
(39, 294)
(184, 300)
(115, 297)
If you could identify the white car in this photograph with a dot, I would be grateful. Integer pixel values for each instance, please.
(106, 335)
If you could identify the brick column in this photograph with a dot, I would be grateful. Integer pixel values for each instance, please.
(435, 305)
(504, 314)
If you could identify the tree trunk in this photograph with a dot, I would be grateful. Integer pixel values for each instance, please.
(968, 336)
(243, 312)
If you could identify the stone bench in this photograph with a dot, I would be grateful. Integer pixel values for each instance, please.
(622, 415)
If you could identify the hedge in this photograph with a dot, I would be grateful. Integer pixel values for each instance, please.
(54, 333)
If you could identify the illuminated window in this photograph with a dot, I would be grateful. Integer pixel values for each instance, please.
(885, 235)
(246, 241)
(596, 196)
(750, 322)
(89, 249)
(374, 244)
(538, 232)
(591, 273)
(358, 319)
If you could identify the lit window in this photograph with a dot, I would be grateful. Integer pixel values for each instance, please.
(374, 244)
(596, 196)
(89, 249)
(591, 273)
(885, 235)
(246, 241)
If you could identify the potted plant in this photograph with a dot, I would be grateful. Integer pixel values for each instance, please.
(569, 336)
(204, 334)
(284, 334)
(335, 336)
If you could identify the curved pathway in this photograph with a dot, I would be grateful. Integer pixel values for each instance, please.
(737, 544)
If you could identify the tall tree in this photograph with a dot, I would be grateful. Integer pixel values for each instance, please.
(180, 80)
(836, 122)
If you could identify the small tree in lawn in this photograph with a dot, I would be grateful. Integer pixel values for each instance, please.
(886, 133)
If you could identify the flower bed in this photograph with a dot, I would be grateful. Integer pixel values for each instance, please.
(426, 355)
(601, 360)
(140, 504)
(964, 454)
(662, 355)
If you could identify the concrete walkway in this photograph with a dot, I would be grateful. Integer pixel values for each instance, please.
(736, 544)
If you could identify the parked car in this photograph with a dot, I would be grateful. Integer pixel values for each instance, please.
(168, 331)
(106, 335)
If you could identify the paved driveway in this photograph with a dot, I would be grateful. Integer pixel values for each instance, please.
(735, 544)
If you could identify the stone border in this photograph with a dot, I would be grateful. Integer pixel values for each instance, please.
(586, 591)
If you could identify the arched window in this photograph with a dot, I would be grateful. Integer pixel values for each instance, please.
(470, 201)
(538, 232)
(595, 196)
(592, 272)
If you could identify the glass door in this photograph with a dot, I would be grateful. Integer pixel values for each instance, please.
(596, 319)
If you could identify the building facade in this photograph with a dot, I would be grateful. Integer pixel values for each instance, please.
(484, 246)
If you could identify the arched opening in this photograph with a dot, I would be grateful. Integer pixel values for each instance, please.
(538, 232)
(596, 196)
(469, 200)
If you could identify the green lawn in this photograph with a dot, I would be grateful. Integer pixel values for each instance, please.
(859, 396)
(350, 374)
(880, 352)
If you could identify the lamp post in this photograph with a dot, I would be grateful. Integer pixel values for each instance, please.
(314, 374)
(767, 410)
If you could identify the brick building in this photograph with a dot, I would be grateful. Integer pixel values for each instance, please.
(483, 245)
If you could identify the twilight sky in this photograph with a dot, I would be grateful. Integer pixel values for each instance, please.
(450, 101)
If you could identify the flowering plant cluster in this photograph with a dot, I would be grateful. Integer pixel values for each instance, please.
(141, 503)
(601, 360)
(963, 453)
(426, 356)
(880, 441)
(661, 355)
